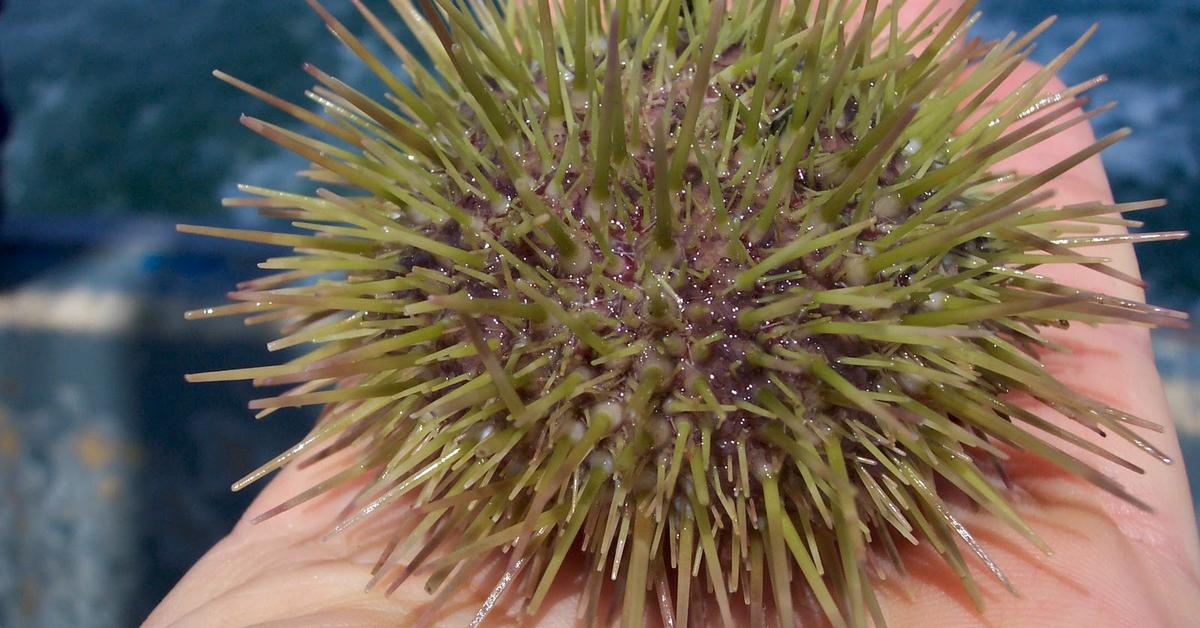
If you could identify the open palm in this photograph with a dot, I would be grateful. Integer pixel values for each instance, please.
(1113, 565)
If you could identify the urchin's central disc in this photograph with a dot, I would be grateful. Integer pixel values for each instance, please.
(683, 288)
(711, 291)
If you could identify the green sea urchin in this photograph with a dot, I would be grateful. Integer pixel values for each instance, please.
(716, 298)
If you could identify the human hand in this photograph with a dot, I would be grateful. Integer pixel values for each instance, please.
(1113, 565)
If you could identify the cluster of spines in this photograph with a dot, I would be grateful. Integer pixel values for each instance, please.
(521, 302)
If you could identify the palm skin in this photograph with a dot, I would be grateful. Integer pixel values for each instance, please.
(1113, 564)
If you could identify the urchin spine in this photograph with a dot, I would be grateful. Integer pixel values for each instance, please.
(714, 295)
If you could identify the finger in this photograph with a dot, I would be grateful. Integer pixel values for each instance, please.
(1112, 362)
(1113, 564)
(926, 12)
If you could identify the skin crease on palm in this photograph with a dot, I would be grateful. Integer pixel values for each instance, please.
(1112, 564)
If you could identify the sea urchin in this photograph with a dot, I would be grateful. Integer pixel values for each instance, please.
(717, 298)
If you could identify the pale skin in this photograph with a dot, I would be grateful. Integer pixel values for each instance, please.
(1113, 564)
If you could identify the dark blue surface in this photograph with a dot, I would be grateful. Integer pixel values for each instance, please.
(1150, 50)
(117, 477)
(114, 473)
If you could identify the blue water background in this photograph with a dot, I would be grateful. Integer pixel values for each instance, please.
(117, 116)
(119, 131)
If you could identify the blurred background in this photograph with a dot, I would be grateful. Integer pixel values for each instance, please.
(115, 474)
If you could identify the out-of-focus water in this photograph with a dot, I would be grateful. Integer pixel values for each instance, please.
(114, 475)
(1150, 50)
(116, 114)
